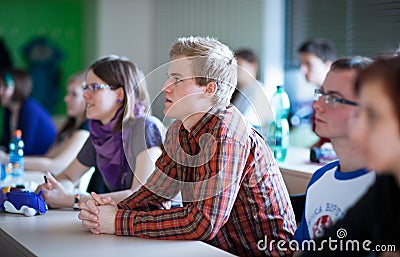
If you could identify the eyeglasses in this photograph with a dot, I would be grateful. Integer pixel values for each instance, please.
(331, 99)
(94, 87)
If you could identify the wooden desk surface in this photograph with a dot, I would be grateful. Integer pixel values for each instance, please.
(59, 233)
(297, 169)
(30, 179)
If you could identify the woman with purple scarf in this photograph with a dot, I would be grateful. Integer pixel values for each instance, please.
(124, 139)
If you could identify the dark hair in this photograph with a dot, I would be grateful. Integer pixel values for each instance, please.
(349, 63)
(386, 69)
(120, 72)
(22, 84)
(67, 129)
(323, 49)
(5, 59)
(246, 54)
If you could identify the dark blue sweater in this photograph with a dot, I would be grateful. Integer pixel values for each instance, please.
(38, 129)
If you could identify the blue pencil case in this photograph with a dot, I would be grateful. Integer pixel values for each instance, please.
(23, 202)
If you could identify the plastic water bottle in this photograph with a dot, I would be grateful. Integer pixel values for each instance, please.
(278, 138)
(3, 173)
(16, 147)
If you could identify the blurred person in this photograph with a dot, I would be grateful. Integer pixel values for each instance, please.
(6, 63)
(374, 221)
(232, 190)
(72, 135)
(335, 187)
(250, 96)
(316, 57)
(123, 142)
(22, 112)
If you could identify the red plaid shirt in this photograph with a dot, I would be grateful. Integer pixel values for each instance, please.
(232, 190)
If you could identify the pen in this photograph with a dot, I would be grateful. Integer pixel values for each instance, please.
(45, 179)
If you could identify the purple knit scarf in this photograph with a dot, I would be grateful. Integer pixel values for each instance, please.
(110, 155)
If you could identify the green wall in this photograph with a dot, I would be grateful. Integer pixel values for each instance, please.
(59, 20)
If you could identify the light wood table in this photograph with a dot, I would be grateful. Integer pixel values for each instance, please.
(58, 233)
(297, 169)
(30, 179)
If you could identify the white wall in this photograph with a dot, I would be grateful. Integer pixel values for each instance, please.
(273, 38)
(144, 30)
(125, 27)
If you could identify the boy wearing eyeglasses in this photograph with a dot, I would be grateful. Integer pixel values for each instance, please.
(338, 185)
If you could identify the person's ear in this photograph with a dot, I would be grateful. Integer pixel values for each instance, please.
(120, 94)
(211, 88)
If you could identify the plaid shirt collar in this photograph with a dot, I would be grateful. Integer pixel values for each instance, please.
(203, 122)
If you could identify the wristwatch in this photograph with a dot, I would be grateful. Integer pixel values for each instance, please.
(77, 199)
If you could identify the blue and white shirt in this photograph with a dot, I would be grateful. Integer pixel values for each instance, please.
(329, 195)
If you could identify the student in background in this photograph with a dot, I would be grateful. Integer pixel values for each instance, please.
(232, 190)
(374, 222)
(248, 85)
(338, 185)
(21, 112)
(250, 96)
(72, 135)
(123, 142)
(316, 57)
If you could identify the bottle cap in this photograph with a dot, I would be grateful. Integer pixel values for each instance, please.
(18, 133)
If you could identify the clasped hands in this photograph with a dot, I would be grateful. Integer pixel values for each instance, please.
(98, 214)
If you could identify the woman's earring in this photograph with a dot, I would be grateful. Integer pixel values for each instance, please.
(118, 101)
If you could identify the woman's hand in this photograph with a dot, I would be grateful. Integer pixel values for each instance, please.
(55, 193)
